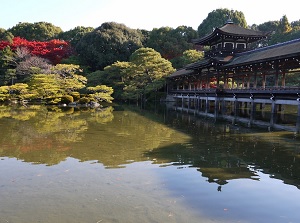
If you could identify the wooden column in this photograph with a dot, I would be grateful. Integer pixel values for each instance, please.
(217, 103)
(255, 79)
(248, 82)
(264, 81)
(276, 76)
(206, 105)
(283, 79)
(236, 110)
(218, 78)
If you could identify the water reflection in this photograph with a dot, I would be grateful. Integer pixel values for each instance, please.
(127, 164)
(223, 152)
(116, 137)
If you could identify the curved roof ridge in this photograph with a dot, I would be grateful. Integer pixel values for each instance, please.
(231, 29)
(268, 47)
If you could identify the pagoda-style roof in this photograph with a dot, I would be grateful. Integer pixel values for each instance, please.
(275, 52)
(231, 30)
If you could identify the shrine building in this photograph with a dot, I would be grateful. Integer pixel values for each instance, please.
(237, 69)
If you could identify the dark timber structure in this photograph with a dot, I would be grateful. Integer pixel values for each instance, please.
(239, 83)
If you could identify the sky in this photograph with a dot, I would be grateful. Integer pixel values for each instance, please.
(139, 14)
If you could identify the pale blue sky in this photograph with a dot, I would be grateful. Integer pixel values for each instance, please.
(67, 14)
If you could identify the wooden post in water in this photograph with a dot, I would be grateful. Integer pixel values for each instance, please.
(206, 105)
(189, 103)
(273, 114)
(217, 103)
(236, 110)
(252, 112)
(182, 103)
(298, 120)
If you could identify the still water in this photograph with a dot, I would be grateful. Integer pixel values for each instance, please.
(126, 164)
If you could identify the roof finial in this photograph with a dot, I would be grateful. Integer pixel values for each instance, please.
(229, 20)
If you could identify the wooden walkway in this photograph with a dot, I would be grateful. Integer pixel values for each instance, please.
(274, 108)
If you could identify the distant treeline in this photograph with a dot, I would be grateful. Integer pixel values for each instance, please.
(106, 55)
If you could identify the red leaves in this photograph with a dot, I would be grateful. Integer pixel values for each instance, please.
(53, 50)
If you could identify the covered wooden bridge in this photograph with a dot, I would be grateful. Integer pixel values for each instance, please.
(234, 78)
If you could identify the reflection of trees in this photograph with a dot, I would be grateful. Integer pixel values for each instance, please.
(40, 134)
(222, 152)
(102, 116)
(126, 139)
(219, 152)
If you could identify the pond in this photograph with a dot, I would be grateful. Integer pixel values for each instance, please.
(127, 164)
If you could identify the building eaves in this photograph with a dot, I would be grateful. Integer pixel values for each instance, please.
(181, 72)
(278, 51)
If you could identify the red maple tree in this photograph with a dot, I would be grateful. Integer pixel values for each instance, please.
(54, 50)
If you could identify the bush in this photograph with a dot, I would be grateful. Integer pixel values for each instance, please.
(76, 96)
(66, 99)
(84, 100)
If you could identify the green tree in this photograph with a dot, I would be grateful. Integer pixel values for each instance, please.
(69, 78)
(295, 25)
(101, 93)
(270, 26)
(146, 74)
(189, 56)
(7, 66)
(284, 25)
(39, 31)
(218, 18)
(171, 43)
(20, 91)
(6, 35)
(74, 35)
(44, 85)
(4, 93)
(107, 44)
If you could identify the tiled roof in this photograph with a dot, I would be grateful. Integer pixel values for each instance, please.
(234, 29)
(181, 72)
(199, 64)
(230, 29)
(278, 51)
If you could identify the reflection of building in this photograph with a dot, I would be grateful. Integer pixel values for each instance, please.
(233, 73)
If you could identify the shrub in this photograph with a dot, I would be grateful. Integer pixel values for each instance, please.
(76, 96)
(66, 99)
(84, 100)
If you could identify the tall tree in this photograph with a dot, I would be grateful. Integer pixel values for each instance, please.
(39, 31)
(218, 18)
(146, 75)
(284, 25)
(113, 75)
(73, 36)
(171, 43)
(6, 35)
(107, 44)
(189, 56)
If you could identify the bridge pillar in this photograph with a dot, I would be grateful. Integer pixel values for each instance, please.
(217, 104)
(252, 112)
(206, 105)
(273, 114)
(298, 120)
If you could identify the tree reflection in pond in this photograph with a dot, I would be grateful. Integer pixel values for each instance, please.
(221, 152)
(176, 168)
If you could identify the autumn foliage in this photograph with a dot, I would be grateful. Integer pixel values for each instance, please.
(53, 50)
